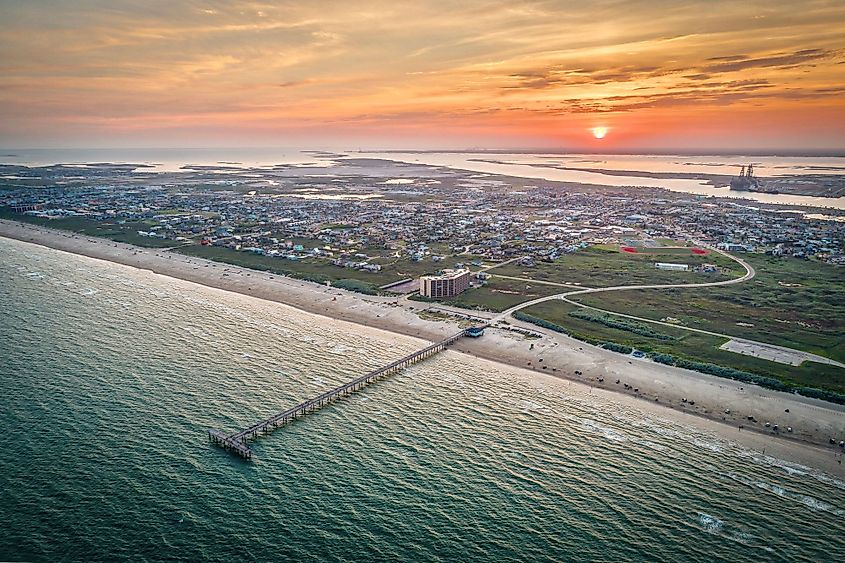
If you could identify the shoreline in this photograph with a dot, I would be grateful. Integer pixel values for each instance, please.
(703, 185)
(653, 387)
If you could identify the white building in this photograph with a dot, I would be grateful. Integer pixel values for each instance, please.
(671, 266)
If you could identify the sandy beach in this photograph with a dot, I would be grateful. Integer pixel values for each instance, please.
(719, 405)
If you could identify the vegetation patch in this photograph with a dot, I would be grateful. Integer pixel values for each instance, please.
(739, 375)
(616, 347)
(311, 269)
(621, 348)
(696, 348)
(605, 266)
(126, 232)
(620, 323)
(790, 302)
(356, 285)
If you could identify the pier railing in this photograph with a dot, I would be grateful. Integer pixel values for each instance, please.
(237, 442)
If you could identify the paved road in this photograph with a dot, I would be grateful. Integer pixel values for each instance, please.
(749, 274)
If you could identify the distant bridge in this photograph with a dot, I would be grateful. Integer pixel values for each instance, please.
(237, 442)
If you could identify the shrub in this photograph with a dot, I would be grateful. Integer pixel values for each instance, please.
(748, 377)
(664, 359)
(621, 348)
(316, 278)
(356, 285)
(822, 394)
(620, 323)
(703, 367)
(539, 322)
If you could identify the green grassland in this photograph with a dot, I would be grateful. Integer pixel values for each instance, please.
(126, 232)
(688, 345)
(596, 266)
(497, 295)
(672, 242)
(605, 266)
(790, 302)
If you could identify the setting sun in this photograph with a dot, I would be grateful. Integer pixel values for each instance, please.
(599, 132)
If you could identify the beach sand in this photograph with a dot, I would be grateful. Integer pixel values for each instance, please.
(658, 388)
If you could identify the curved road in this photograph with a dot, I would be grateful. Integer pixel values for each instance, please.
(749, 274)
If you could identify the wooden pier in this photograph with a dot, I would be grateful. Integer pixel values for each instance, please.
(237, 442)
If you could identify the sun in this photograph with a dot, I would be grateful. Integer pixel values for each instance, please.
(599, 132)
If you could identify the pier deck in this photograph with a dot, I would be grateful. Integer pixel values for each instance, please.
(237, 442)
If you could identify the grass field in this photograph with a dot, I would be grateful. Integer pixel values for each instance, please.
(605, 266)
(790, 302)
(499, 294)
(597, 266)
(691, 346)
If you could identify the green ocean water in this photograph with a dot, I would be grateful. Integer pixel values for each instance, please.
(110, 377)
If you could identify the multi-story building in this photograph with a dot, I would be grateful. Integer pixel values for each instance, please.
(448, 284)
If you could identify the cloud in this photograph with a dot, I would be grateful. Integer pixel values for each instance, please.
(284, 63)
(720, 94)
(782, 60)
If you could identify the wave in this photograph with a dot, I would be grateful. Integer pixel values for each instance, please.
(608, 433)
(717, 527)
(812, 503)
(793, 469)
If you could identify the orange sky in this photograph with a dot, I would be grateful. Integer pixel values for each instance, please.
(658, 74)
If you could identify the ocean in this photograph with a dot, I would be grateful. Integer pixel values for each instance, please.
(164, 160)
(110, 377)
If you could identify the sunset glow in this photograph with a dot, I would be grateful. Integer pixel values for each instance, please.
(382, 74)
(599, 132)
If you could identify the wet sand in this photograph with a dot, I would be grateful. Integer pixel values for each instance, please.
(660, 389)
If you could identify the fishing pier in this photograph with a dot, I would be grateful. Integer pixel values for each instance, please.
(237, 443)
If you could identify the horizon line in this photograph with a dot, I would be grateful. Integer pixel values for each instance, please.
(833, 153)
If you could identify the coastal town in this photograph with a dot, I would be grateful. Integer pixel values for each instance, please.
(475, 242)
(368, 217)
(469, 281)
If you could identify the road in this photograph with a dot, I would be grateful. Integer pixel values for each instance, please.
(749, 274)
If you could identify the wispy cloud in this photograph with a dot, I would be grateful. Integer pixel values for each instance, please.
(255, 65)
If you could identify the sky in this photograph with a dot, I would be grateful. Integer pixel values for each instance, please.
(450, 74)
